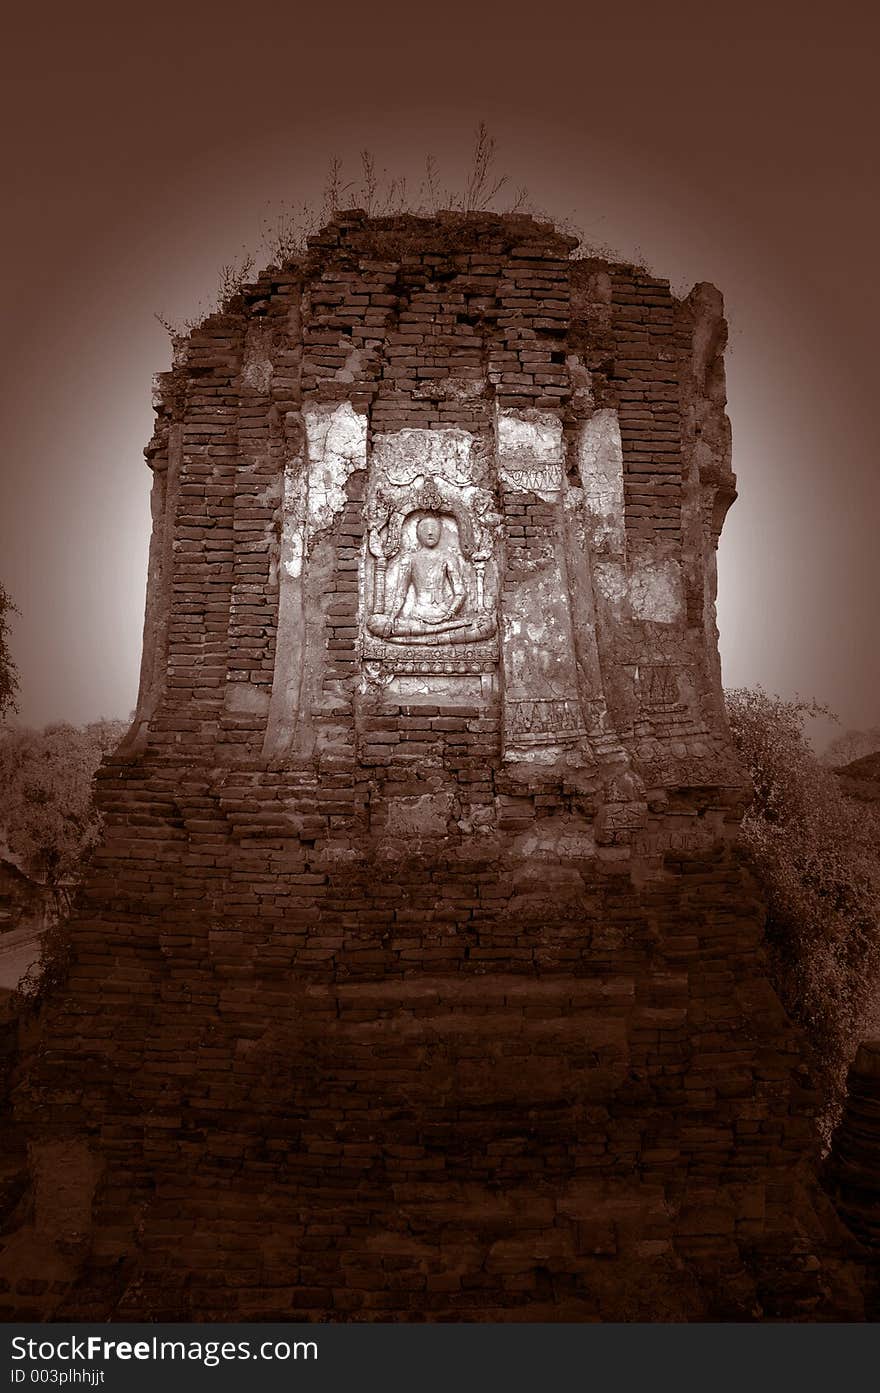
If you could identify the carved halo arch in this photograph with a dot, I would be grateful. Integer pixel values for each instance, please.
(393, 506)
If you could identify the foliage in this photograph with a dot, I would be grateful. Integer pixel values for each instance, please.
(817, 857)
(51, 968)
(48, 819)
(8, 670)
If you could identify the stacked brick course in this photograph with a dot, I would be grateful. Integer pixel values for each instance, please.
(851, 1173)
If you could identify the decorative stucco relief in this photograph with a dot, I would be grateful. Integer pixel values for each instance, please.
(429, 574)
(543, 711)
(529, 445)
(325, 445)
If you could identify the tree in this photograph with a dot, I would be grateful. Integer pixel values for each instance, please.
(816, 855)
(49, 820)
(8, 670)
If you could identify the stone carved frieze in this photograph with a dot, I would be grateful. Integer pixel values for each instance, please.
(550, 721)
(657, 663)
(429, 577)
(530, 477)
(530, 452)
(657, 842)
(436, 662)
(543, 712)
(658, 686)
(706, 761)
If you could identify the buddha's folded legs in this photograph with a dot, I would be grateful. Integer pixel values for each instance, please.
(421, 631)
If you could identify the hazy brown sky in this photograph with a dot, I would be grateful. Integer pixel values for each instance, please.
(145, 147)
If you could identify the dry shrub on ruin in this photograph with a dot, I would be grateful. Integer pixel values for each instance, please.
(816, 854)
(287, 226)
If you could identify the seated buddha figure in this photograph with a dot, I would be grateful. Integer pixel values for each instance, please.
(429, 599)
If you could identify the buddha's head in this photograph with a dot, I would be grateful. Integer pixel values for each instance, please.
(428, 530)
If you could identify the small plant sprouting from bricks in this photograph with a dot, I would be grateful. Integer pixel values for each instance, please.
(233, 277)
(483, 184)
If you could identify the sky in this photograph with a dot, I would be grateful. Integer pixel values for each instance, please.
(146, 148)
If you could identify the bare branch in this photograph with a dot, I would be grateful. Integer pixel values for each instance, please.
(482, 184)
(369, 183)
(234, 275)
(429, 198)
(334, 189)
(286, 237)
(173, 328)
(521, 200)
(396, 198)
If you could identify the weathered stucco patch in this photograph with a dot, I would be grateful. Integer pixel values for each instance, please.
(542, 711)
(337, 446)
(256, 368)
(352, 366)
(401, 456)
(529, 435)
(428, 690)
(610, 580)
(655, 590)
(530, 452)
(417, 818)
(246, 698)
(450, 389)
(537, 640)
(293, 520)
(600, 462)
(554, 839)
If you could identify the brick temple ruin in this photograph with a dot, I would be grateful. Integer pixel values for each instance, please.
(418, 976)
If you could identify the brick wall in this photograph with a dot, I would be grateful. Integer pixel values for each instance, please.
(382, 1024)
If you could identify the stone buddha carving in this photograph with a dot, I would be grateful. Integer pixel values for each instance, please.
(429, 600)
